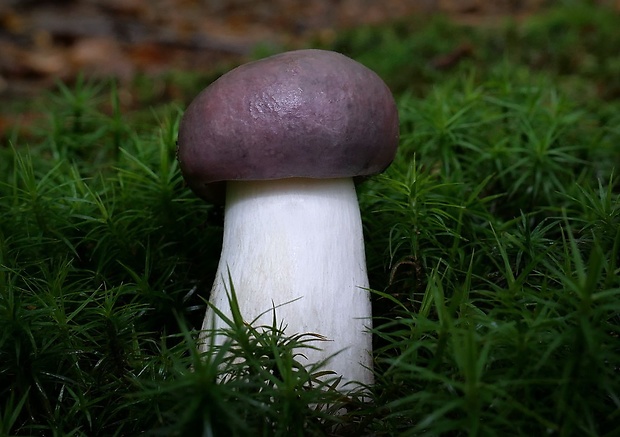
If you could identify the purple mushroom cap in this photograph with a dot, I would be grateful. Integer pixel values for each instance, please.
(305, 113)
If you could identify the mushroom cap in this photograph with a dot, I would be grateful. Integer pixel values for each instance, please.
(304, 113)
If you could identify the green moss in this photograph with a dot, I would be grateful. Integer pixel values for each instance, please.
(492, 246)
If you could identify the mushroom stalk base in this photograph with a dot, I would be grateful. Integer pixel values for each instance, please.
(297, 245)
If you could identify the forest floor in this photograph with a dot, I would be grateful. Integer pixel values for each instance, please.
(43, 41)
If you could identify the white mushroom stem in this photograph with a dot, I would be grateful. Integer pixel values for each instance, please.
(297, 244)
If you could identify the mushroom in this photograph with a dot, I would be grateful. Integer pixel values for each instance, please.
(284, 138)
